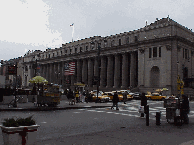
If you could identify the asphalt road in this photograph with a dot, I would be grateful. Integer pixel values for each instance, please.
(105, 126)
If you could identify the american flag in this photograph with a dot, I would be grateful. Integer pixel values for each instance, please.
(72, 24)
(70, 68)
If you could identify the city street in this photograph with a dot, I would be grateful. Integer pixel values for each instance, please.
(106, 126)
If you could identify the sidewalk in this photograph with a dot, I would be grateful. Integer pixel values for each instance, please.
(64, 104)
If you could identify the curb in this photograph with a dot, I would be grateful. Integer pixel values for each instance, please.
(49, 108)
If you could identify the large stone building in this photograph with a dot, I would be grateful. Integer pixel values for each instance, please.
(146, 59)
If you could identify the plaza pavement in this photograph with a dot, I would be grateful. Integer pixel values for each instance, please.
(64, 104)
(139, 135)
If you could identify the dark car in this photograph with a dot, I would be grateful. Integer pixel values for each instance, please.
(137, 95)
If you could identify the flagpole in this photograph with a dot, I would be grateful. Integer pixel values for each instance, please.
(72, 25)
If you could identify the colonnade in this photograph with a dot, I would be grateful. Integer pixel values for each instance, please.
(116, 71)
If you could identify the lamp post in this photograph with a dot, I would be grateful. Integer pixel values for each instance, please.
(97, 78)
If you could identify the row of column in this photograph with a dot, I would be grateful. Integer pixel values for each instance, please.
(116, 71)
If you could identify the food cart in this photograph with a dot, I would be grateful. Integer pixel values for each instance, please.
(172, 106)
(49, 95)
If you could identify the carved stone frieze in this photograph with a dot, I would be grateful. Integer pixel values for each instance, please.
(142, 50)
(168, 47)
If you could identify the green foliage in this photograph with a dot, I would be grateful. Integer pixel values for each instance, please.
(11, 122)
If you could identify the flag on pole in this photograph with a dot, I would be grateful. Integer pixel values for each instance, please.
(72, 24)
(70, 68)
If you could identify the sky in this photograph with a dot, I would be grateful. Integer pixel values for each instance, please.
(40, 24)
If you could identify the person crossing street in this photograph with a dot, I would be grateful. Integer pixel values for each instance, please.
(115, 101)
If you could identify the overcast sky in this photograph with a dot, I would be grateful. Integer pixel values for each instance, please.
(40, 24)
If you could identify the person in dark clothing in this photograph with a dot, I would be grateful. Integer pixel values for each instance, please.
(184, 110)
(87, 96)
(70, 97)
(143, 103)
(124, 97)
(115, 101)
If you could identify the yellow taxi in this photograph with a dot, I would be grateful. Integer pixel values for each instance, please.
(101, 97)
(108, 94)
(155, 96)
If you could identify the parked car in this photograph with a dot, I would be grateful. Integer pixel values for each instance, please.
(155, 96)
(137, 95)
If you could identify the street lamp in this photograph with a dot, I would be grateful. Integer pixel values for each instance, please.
(98, 64)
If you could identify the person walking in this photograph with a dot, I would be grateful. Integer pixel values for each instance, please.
(125, 97)
(77, 96)
(87, 96)
(83, 96)
(143, 103)
(184, 110)
(115, 101)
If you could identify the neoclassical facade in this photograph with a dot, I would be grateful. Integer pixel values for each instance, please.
(145, 59)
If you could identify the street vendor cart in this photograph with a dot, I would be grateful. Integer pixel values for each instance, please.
(49, 95)
(172, 106)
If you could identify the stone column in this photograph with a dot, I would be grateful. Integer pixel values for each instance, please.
(51, 72)
(125, 67)
(47, 72)
(110, 73)
(90, 71)
(132, 69)
(96, 66)
(103, 72)
(55, 73)
(117, 71)
(79, 71)
(84, 71)
(62, 73)
(58, 73)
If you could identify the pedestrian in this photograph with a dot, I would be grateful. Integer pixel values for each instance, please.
(70, 97)
(115, 101)
(87, 96)
(184, 110)
(83, 96)
(143, 103)
(125, 97)
(77, 96)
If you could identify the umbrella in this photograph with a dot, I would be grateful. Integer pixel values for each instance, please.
(38, 79)
(165, 89)
(158, 90)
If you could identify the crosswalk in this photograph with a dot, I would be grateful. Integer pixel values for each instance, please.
(131, 109)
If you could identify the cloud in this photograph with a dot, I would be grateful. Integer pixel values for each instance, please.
(26, 22)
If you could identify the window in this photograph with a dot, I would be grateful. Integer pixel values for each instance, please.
(53, 54)
(186, 54)
(57, 53)
(159, 51)
(86, 48)
(150, 52)
(136, 39)
(119, 42)
(81, 49)
(49, 55)
(65, 50)
(70, 50)
(183, 53)
(127, 40)
(155, 52)
(61, 52)
(75, 50)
